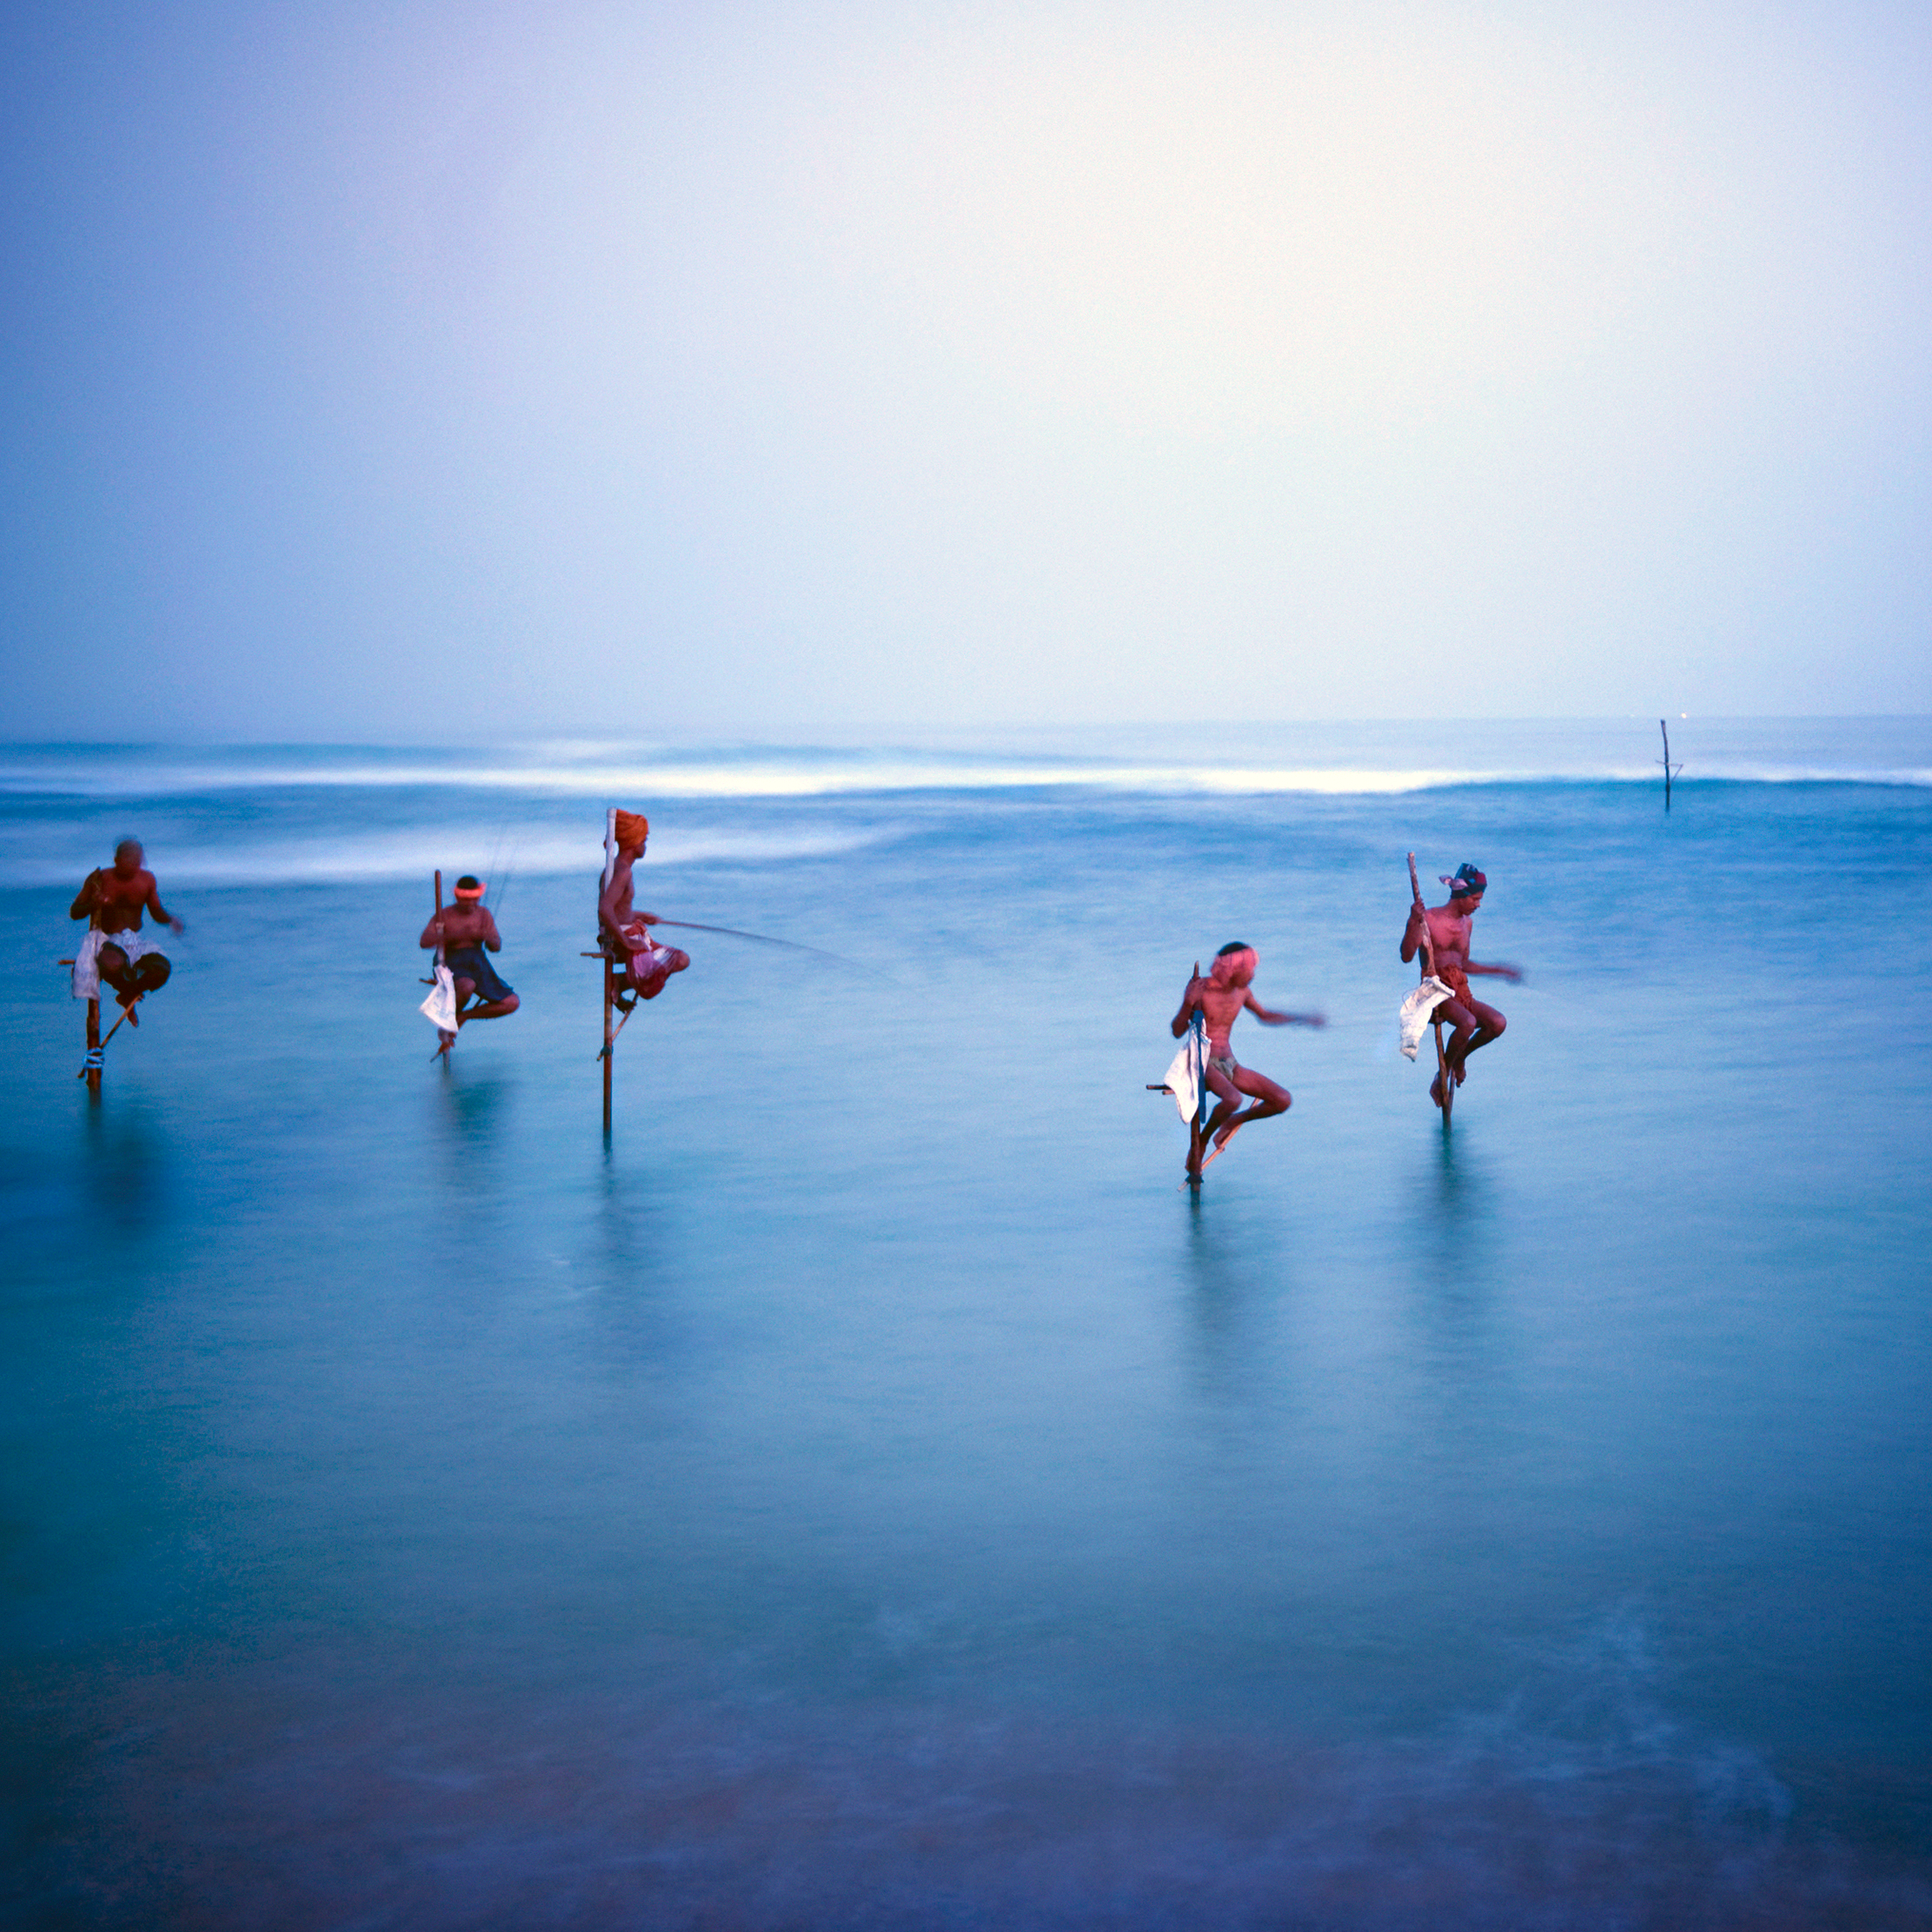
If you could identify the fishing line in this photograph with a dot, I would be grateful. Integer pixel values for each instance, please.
(509, 869)
(764, 939)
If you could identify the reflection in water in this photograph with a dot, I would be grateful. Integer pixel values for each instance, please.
(126, 1178)
(871, 1384)
(1460, 1241)
(1234, 1270)
(473, 1120)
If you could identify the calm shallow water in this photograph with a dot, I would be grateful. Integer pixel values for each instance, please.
(866, 1492)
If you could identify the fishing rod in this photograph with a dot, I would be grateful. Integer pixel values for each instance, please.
(764, 939)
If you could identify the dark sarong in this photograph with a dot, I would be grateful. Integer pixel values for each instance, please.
(471, 962)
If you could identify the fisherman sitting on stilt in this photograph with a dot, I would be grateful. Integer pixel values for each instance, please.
(468, 934)
(645, 965)
(1476, 1023)
(1222, 998)
(115, 949)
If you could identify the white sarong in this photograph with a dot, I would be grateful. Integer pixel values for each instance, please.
(87, 961)
(1416, 1010)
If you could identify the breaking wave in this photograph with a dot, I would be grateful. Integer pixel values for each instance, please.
(1370, 765)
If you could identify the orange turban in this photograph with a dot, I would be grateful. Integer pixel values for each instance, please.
(633, 827)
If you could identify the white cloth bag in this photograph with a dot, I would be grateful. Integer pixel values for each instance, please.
(440, 1008)
(1188, 1074)
(1416, 1010)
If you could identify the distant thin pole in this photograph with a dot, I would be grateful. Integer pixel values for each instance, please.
(1665, 761)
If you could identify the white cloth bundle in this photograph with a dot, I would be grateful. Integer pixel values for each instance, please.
(1416, 1009)
(1189, 1074)
(440, 1008)
(87, 961)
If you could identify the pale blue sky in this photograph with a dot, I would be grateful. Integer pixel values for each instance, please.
(416, 371)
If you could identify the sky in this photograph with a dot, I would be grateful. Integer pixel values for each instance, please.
(420, 372)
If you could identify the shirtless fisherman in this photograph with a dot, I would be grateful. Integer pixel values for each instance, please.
(1222, 998)
(468, 934)
(115, 949)
(648, 965)
(1448, 936)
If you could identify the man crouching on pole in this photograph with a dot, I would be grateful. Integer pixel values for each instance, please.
(647, 965)
(115, 949)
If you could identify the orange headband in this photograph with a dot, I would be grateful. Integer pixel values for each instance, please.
(471, 891)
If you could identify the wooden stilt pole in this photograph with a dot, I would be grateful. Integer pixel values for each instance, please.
(1428, 973)
(93, 1069)
(608, 1038)
(610, 977)
(1197, 1128)
(435, 960)
(1665, 761)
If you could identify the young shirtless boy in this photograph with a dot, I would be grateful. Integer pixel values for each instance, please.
(1477, 1025)
(116, 948)
(1221, 999)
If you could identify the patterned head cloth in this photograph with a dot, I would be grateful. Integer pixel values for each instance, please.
(633, 828)
(1467, 883)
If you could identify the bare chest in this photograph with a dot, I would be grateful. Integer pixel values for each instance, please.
(123, 898)
(1222, 1009)
(463, 929)
(1450, 937)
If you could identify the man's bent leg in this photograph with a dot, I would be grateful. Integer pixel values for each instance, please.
(112, 963)
(130, 978)
(1459, 1015)
(1269, 1098)
(1488, 1025)
(1226, 1094)
(1227, 1098)
(490, 1009)
(649, 982)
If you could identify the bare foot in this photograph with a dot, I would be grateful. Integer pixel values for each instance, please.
(1460, 1071)
(127, 1013)
(1221, 1140)
(1435, 1090)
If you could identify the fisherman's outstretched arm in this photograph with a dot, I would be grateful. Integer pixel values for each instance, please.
(1271, 1018)
(492, 938)
(1510, 973)
(87, 898)
(166, 919)
(1190, 1000)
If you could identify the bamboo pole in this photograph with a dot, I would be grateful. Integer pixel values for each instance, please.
(1197, 1128)
(603, 941)
(1428, 973)
(609, 1038)
(435, 961)
(91, 1067)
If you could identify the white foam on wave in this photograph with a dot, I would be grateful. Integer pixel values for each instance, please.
(414, 853)
(123, 777)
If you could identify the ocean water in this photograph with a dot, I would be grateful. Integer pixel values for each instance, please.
(866, 1491)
